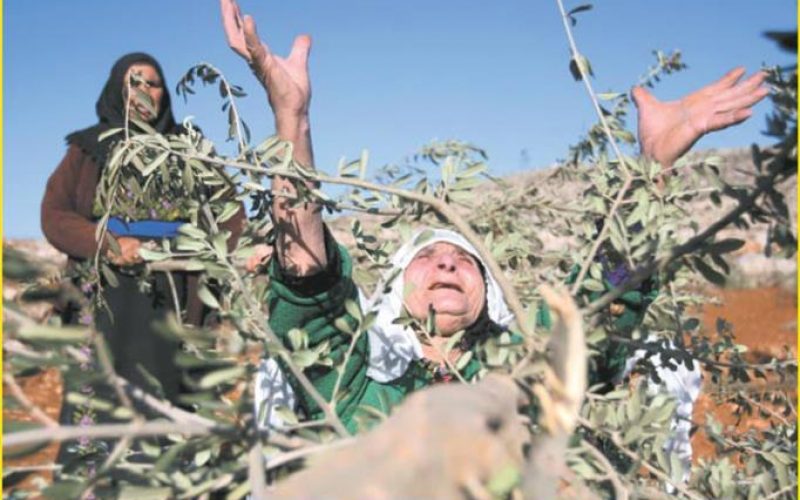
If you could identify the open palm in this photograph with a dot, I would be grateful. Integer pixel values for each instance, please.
(668, 129)
(285, 79)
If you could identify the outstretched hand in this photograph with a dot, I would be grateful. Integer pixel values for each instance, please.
(668, 129)
(285, 79)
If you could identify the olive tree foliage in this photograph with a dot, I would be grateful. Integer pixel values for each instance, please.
(619, 212)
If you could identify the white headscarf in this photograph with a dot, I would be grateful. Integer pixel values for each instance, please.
(393, 346)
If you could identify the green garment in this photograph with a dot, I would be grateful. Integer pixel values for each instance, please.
(316, 314)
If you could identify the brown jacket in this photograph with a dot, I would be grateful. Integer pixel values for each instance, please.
(67, 220)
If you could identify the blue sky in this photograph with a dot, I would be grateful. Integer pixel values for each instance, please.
(387, 76)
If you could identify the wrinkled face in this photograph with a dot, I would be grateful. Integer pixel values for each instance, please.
(146, 87)
(449, 279)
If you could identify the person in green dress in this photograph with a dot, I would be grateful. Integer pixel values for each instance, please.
(440, 273)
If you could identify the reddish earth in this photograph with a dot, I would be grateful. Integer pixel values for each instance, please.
(764, 319)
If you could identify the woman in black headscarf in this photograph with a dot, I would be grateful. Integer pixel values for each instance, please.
(135, 91)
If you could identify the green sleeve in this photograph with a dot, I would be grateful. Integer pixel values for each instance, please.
(613, 354)
(316, 314)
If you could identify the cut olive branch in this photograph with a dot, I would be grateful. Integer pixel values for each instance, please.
(615, 438)
(628, 179)
(35, 412)
(778, 365)
(343, 366)
(438, 205)
(329, 409)
(639, 275)
(620, 493)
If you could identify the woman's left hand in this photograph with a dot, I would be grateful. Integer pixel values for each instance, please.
(668, 129)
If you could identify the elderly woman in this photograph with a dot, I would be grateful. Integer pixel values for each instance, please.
(135, 91)
(440, 272)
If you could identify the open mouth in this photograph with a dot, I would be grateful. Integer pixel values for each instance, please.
(445, 286)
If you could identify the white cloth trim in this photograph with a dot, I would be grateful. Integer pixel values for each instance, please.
(682, 384)
(392, 347)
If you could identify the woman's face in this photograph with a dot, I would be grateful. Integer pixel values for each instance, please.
(152, 88)
(448, 279)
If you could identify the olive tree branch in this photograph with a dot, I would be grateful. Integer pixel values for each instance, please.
(712, 362)
(627, 177)
(343, 366)
(678, 251)
(135, 429)
(615, 438)
(329, 409)
(437, 205)
(35, 412)
(620, 493)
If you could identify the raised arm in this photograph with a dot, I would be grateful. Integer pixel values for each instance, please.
(300, 240)
(668, 129)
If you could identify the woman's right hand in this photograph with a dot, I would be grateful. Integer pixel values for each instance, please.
(128, 252)
(285, 79)
(261, 253)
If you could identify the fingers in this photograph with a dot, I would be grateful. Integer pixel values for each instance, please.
(642, 97)
(260, 254)
(724, 120)
(729, 80)
(300, 49)
(258, 50)
(748, 86)
(232, 23)
(744, 100)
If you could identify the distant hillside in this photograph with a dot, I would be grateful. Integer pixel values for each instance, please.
(750, 267)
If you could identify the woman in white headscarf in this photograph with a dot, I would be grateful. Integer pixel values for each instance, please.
(442, 286)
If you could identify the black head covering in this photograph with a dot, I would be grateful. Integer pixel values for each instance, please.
(110, 109)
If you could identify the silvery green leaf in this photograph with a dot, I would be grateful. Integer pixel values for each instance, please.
(207, 297)
(286, 414)
(503, 481)
(579, 66)
(593, 285)
(220, 243)
(202, 457)
(353, 309)
(108, 133)
(463, 360)
(225, 375)
(230, 209)
(152, 255)
(108, 274)
(43, 332)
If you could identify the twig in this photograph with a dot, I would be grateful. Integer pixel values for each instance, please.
(291, 456)
(444, 356)
(575, 54)
(764, 407)
(116, 453)
(722, 364)
(437, 205)
(780, 492)
(35, 412)
(628, 179)
(31, 468)
(620, 493)
(644, 463)
(678, 251)
(343, 366)
(108, 370)
(175, 302)
(258, 480)
(65, 433)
